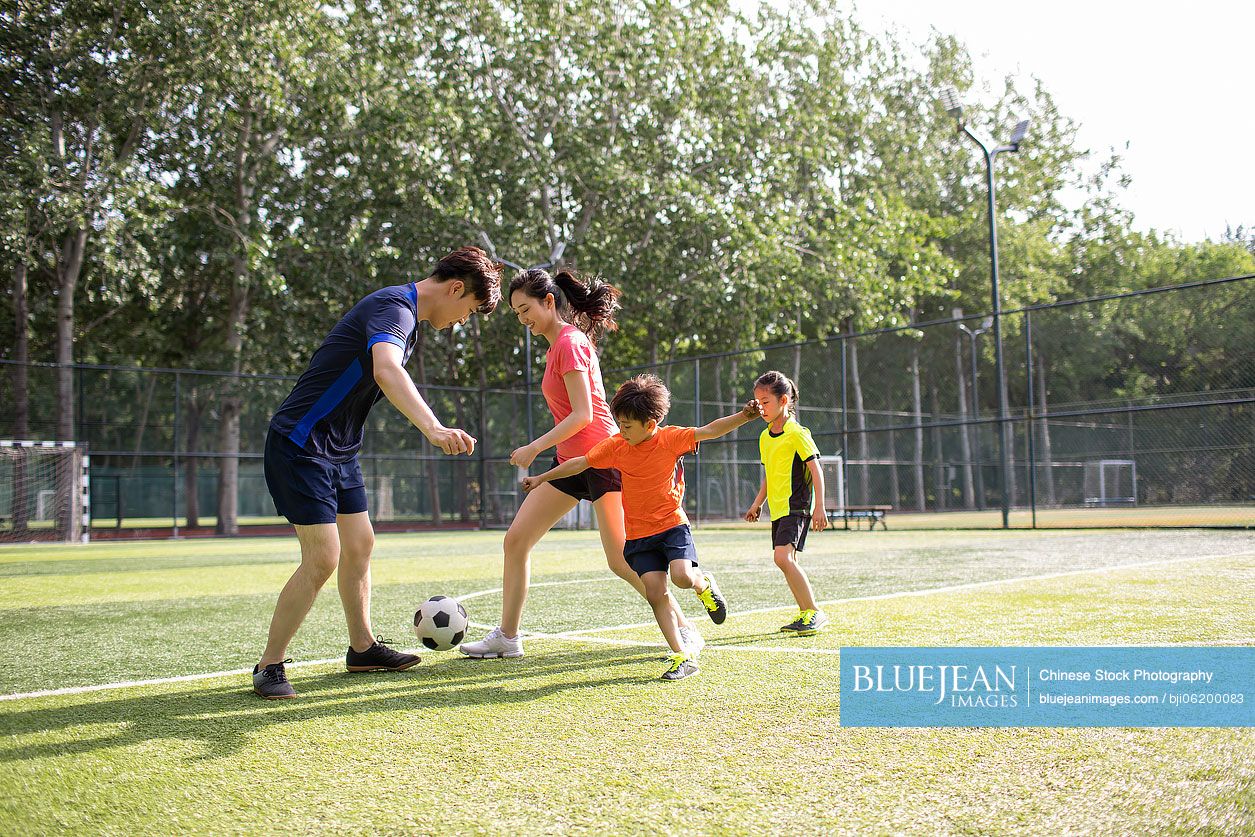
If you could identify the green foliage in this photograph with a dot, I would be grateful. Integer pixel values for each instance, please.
(744, 180)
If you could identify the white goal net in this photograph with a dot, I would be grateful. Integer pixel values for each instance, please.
(43, 492)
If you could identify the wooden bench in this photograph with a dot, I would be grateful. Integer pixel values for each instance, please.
(872, 514)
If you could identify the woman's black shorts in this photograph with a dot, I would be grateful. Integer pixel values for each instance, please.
(589, 485)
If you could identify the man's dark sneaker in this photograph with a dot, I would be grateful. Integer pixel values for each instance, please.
(713, 601)
(379, 657)
(807, 623)
(679, 666)
(272, 683)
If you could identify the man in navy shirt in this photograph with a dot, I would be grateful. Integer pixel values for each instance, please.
(311, 450)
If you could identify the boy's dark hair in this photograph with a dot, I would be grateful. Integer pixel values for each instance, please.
(641, 398)
(586, 302)
(480, 273)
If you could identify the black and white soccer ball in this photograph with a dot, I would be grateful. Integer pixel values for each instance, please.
(440, 623)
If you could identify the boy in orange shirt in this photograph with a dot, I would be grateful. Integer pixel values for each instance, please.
(659, 541)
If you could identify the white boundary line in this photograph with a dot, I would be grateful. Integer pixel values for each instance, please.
(586, 634)
(953, 588)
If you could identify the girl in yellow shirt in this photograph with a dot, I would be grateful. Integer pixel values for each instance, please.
(793, 485)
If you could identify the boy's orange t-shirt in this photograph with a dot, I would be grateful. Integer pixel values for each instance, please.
(653, 477)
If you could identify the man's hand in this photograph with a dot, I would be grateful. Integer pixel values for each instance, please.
(531, 482)
(452, 441)
(819, 520)
(523, 457)
(752, 514)
(751, 409)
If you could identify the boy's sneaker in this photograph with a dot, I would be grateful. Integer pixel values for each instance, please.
(272, 683)
(680, 666)
(713, 601)
(692, 641)
(496, 644)
(807, 623)
(379, 657)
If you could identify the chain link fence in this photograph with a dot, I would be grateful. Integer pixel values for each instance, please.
(1130, 410)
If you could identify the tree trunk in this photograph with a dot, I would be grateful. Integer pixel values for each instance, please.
(917, 413)
(731, 469)
(459, 466)
(429, 467)
(1047, 454)
(237, 313)
(191, 496)
(143, 420)
(1006, 428)
(965, 429)
(486, 496)
(1008, 437)
(939, 481)
(860, 424)
(21, 402)
(229, 465)
(69, 265)
(895, 487)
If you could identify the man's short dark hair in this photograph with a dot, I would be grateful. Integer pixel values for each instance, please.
(480, 273)
(642, 398)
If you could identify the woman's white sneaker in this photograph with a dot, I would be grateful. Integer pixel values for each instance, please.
(496, 644)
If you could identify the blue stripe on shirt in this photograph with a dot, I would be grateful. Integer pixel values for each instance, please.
(385, 337)
(327, 402)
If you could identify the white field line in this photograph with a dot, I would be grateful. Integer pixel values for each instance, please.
(953, 588)
(585, 635)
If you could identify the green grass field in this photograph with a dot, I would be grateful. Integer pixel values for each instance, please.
(579, 736)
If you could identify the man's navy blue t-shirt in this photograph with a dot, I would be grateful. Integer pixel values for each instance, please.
(326, 410)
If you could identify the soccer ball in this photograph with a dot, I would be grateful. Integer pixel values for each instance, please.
(440, 623)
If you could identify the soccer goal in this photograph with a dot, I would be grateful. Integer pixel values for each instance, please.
(833, 468)
(1110, 482)
(44, 492)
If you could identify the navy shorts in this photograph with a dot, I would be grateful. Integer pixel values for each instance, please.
(790, 530)
(655, 553)
(589, 484)
(308, 489)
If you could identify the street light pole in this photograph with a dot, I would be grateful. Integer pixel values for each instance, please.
(950, 101)
(972, 334)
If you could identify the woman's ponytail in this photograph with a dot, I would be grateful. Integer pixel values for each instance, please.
(592, 302)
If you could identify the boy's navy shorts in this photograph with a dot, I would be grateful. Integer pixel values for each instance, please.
(654, 553)
(589, 484)
(308, 489)
(790, 530)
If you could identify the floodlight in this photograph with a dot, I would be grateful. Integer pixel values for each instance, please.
(950, 101)
(1017, 135)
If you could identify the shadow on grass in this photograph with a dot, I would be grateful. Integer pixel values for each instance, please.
(223, 719)
(742, 639)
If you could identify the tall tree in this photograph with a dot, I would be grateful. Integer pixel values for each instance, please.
(90, 86)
